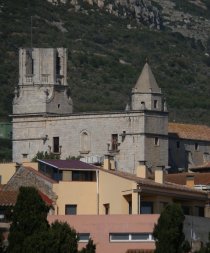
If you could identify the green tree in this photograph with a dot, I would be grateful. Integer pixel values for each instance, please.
(168, 232)
(29, 219)
(31, 232)
(90, 247)
(44, 155)
(63, 238)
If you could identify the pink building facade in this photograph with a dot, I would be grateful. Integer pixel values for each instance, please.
(113, 233)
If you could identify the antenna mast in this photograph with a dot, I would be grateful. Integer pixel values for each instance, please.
(31, 32)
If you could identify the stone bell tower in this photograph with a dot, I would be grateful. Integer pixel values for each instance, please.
(42, 87)
(146, 95)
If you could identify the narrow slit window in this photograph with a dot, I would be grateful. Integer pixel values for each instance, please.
(196, 146)
(155, 104)
(156, 141)
(56, 144)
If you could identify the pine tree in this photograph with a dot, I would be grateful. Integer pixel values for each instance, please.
(29, 219)
(168, 232)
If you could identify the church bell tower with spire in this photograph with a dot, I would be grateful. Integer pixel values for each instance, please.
(147, 97)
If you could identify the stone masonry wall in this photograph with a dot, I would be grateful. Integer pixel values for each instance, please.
(26, 177)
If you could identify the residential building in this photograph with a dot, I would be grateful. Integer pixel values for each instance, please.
(189, 146)
(117, 209)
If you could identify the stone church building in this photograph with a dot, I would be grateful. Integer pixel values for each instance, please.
(43, 117)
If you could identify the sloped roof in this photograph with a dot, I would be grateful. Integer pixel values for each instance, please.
(69, 164)
(189, 131)
(146, 82)
(180, 178)
(205, 167)
(9, 198)
(167, 185)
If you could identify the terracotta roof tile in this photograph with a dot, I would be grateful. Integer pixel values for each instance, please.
(8, 198)
(189, 131)
(199, 178)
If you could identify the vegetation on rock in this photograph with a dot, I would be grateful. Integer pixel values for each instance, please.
(106, 54)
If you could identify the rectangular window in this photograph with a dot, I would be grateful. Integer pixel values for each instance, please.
(156, 141)
(71, 209)
(139, 237)
(84, 176)
(84, 237)
(56, 144)
(119, 237)
(130, 207)
(130, 237)
(196, 146)
(114, 142)
(199, 211)
(106, 209)
(29, 63)
(155, 104)
(146, 207)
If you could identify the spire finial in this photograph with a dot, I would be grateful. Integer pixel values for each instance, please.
(146, 60)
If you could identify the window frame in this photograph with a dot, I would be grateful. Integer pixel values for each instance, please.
(71, 205)
(83, 240)
(130, 237)
(56, 144)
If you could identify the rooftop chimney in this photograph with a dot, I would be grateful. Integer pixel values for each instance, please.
(190, 181)
(141, 170)
(159, 174)
(109, 163)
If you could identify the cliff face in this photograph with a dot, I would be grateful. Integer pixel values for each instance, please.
(108, 42)
(191, 18)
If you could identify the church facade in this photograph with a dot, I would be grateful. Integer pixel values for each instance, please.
(43, 117)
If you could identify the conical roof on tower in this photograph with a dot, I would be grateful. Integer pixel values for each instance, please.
(146, 82)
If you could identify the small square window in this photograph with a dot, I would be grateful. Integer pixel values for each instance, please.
(71, 209)
(84, 237)
(25, 155)
(156, 141)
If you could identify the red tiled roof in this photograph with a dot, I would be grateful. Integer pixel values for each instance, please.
(180, 178)
(9, 198)
(189, 131)
(202, 166)
(69, 164)
(45, 198)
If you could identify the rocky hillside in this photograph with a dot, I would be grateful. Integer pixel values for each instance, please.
(108, 42)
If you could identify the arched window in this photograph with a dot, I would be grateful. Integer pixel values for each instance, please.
(85, 142)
